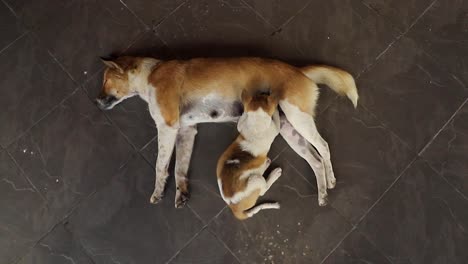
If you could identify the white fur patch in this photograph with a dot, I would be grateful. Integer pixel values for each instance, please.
(253, 123)
(233, 161)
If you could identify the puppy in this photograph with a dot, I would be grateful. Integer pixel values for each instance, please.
(240, 168)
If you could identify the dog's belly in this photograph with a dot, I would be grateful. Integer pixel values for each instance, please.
(210, 110)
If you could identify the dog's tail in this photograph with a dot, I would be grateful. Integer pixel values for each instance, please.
(338, 80)
(241, 215)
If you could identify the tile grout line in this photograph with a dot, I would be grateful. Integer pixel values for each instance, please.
(72, 210)
(386, 191)
(443, 127)
(400, 36)
(14, 41)
(134, 14)
(388, 129)
(79, 241)
(375, 246)
(338, 244)
(218, 238)
(224, 244)
(10, 8)
(372, 206)
(157, 24)
(27, 130)
(257, 13)
(443, 177)
(27, 178)
(186, 244)
(288, 21)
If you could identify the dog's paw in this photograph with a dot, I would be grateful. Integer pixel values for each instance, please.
(156, 198)
(181, 199)
(322, 199)
(331, 183)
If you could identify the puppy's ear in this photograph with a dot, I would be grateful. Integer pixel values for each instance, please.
(112, 64)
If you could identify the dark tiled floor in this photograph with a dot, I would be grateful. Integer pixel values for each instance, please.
(75, 182)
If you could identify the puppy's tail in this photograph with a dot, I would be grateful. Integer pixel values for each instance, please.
(241, 215)
(338, 80)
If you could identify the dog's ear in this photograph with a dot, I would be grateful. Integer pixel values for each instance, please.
(112, 64)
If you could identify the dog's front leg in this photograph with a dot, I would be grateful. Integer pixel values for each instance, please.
(166, 141)
(184, 148)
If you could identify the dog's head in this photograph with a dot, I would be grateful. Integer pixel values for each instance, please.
(259, 108)
(115, 85)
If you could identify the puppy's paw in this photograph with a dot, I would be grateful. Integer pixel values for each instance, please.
(181, 199)
(156, 198)
(276, 206)
(276, 173)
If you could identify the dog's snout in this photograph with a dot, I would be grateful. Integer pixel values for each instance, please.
(104, 101)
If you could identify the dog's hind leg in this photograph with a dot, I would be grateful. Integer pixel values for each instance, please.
(308, 153)
(166, 141)
(304, 123)
(184, 147)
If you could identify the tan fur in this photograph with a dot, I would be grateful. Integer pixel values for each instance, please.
(179, 82)
(239, 209)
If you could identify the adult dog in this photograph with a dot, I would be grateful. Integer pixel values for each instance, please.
(181, 94)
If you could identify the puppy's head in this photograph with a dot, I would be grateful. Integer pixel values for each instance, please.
(259, 107)
(115, 85)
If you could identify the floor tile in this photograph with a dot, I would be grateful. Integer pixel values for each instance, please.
(366, 158)
(222, 28)
(32, 13)
(448, 153)
(25, 216)
(206, 249)
(9, 26)
(356, 249)
(81, 32)
(400, 13)
(420, 220)
(153, 12)
(277, 12)
(131, 116)
(119, 224)
(71, 153)
(411, 93)
(442, 33)
(341, 33)
(58, 247)
(32, 84)
(299, 232)
(150, 45)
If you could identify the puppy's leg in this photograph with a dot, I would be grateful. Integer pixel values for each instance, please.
(184, 148)
(166, 141)
(250, 212)
(307, 152)
(272, 177)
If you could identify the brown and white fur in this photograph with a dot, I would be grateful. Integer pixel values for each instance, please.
(181, 94)
(240, 168)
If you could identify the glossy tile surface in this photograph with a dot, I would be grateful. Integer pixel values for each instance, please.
(75, 181)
